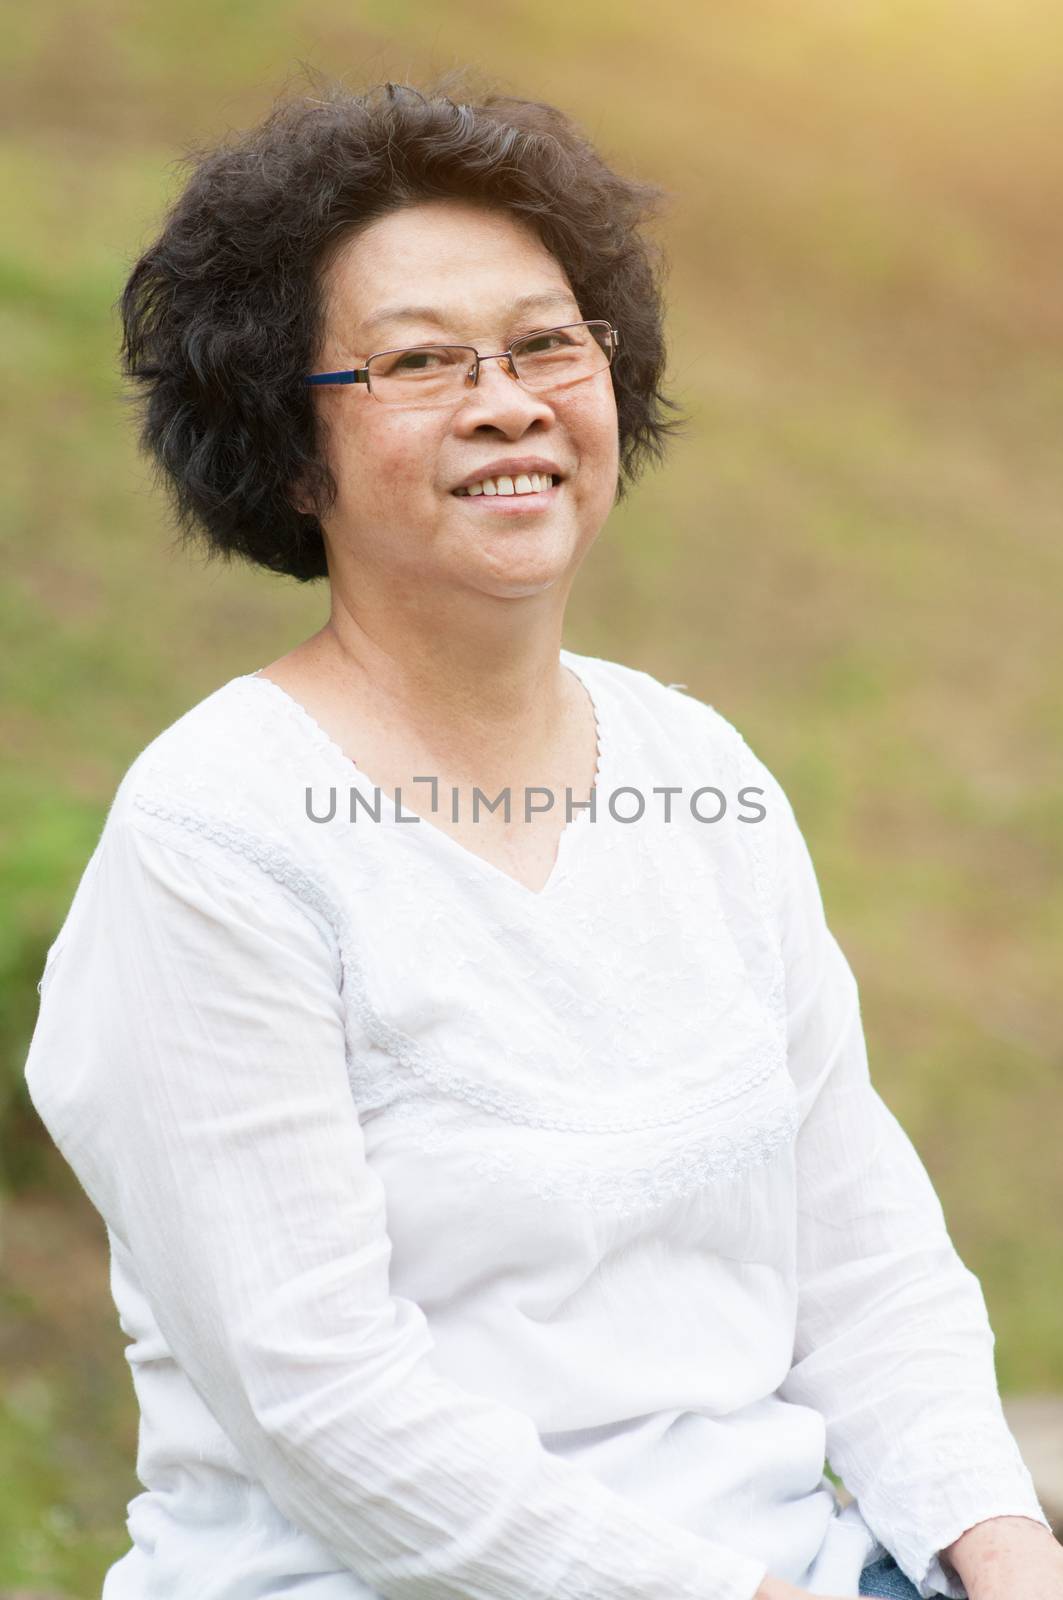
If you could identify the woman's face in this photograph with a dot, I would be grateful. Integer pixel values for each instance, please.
(396, 522)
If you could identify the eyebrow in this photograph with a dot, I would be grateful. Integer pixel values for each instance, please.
(527, 302)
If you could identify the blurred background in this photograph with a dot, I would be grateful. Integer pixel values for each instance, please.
(855, 554)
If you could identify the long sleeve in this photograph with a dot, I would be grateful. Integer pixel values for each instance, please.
(189, 1060)
(893, 1343)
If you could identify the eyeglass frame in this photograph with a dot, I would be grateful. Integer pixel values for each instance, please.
(361, 374)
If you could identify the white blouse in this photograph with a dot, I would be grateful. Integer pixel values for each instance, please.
(478, 1243)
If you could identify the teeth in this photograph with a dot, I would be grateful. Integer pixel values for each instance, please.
(524, 483)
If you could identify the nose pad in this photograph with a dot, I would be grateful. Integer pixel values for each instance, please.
(505, 362)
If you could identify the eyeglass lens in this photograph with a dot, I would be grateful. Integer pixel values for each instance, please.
(552, 358)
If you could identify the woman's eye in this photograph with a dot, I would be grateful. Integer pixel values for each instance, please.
(543, 341)
(416, 360)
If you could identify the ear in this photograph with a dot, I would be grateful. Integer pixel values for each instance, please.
(298, 499)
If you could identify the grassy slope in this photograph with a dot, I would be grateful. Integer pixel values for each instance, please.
(855, 554)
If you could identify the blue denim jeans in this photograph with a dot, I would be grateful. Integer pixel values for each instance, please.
(884, 1577)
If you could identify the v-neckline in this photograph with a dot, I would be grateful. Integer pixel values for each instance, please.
(469, 858)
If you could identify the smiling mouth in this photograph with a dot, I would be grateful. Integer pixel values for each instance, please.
(506, 488)
(512, 505)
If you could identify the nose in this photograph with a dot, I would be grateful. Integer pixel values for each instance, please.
(499, 399)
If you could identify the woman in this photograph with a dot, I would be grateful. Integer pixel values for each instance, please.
(498, 1201)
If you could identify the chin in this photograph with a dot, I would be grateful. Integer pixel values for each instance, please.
(521, 579)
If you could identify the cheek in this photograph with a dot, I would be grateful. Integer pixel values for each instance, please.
(594, 435)
(592, 419)
(383, 460)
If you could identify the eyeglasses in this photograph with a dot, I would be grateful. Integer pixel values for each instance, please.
(438, 374)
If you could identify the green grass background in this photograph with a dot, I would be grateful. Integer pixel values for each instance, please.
(855, 554)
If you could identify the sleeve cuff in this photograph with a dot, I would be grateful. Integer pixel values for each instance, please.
(948, 1510)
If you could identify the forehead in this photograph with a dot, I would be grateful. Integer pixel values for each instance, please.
(445, 264)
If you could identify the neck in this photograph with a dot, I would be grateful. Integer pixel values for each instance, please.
(480, 707)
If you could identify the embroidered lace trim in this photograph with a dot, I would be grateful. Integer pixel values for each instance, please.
(754, 1136)
(752, 1105)
(702, 1159)
(424, 1063)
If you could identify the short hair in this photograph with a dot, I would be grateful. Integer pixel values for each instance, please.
(222, 314)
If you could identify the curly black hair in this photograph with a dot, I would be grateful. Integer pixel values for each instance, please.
(222, 313)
